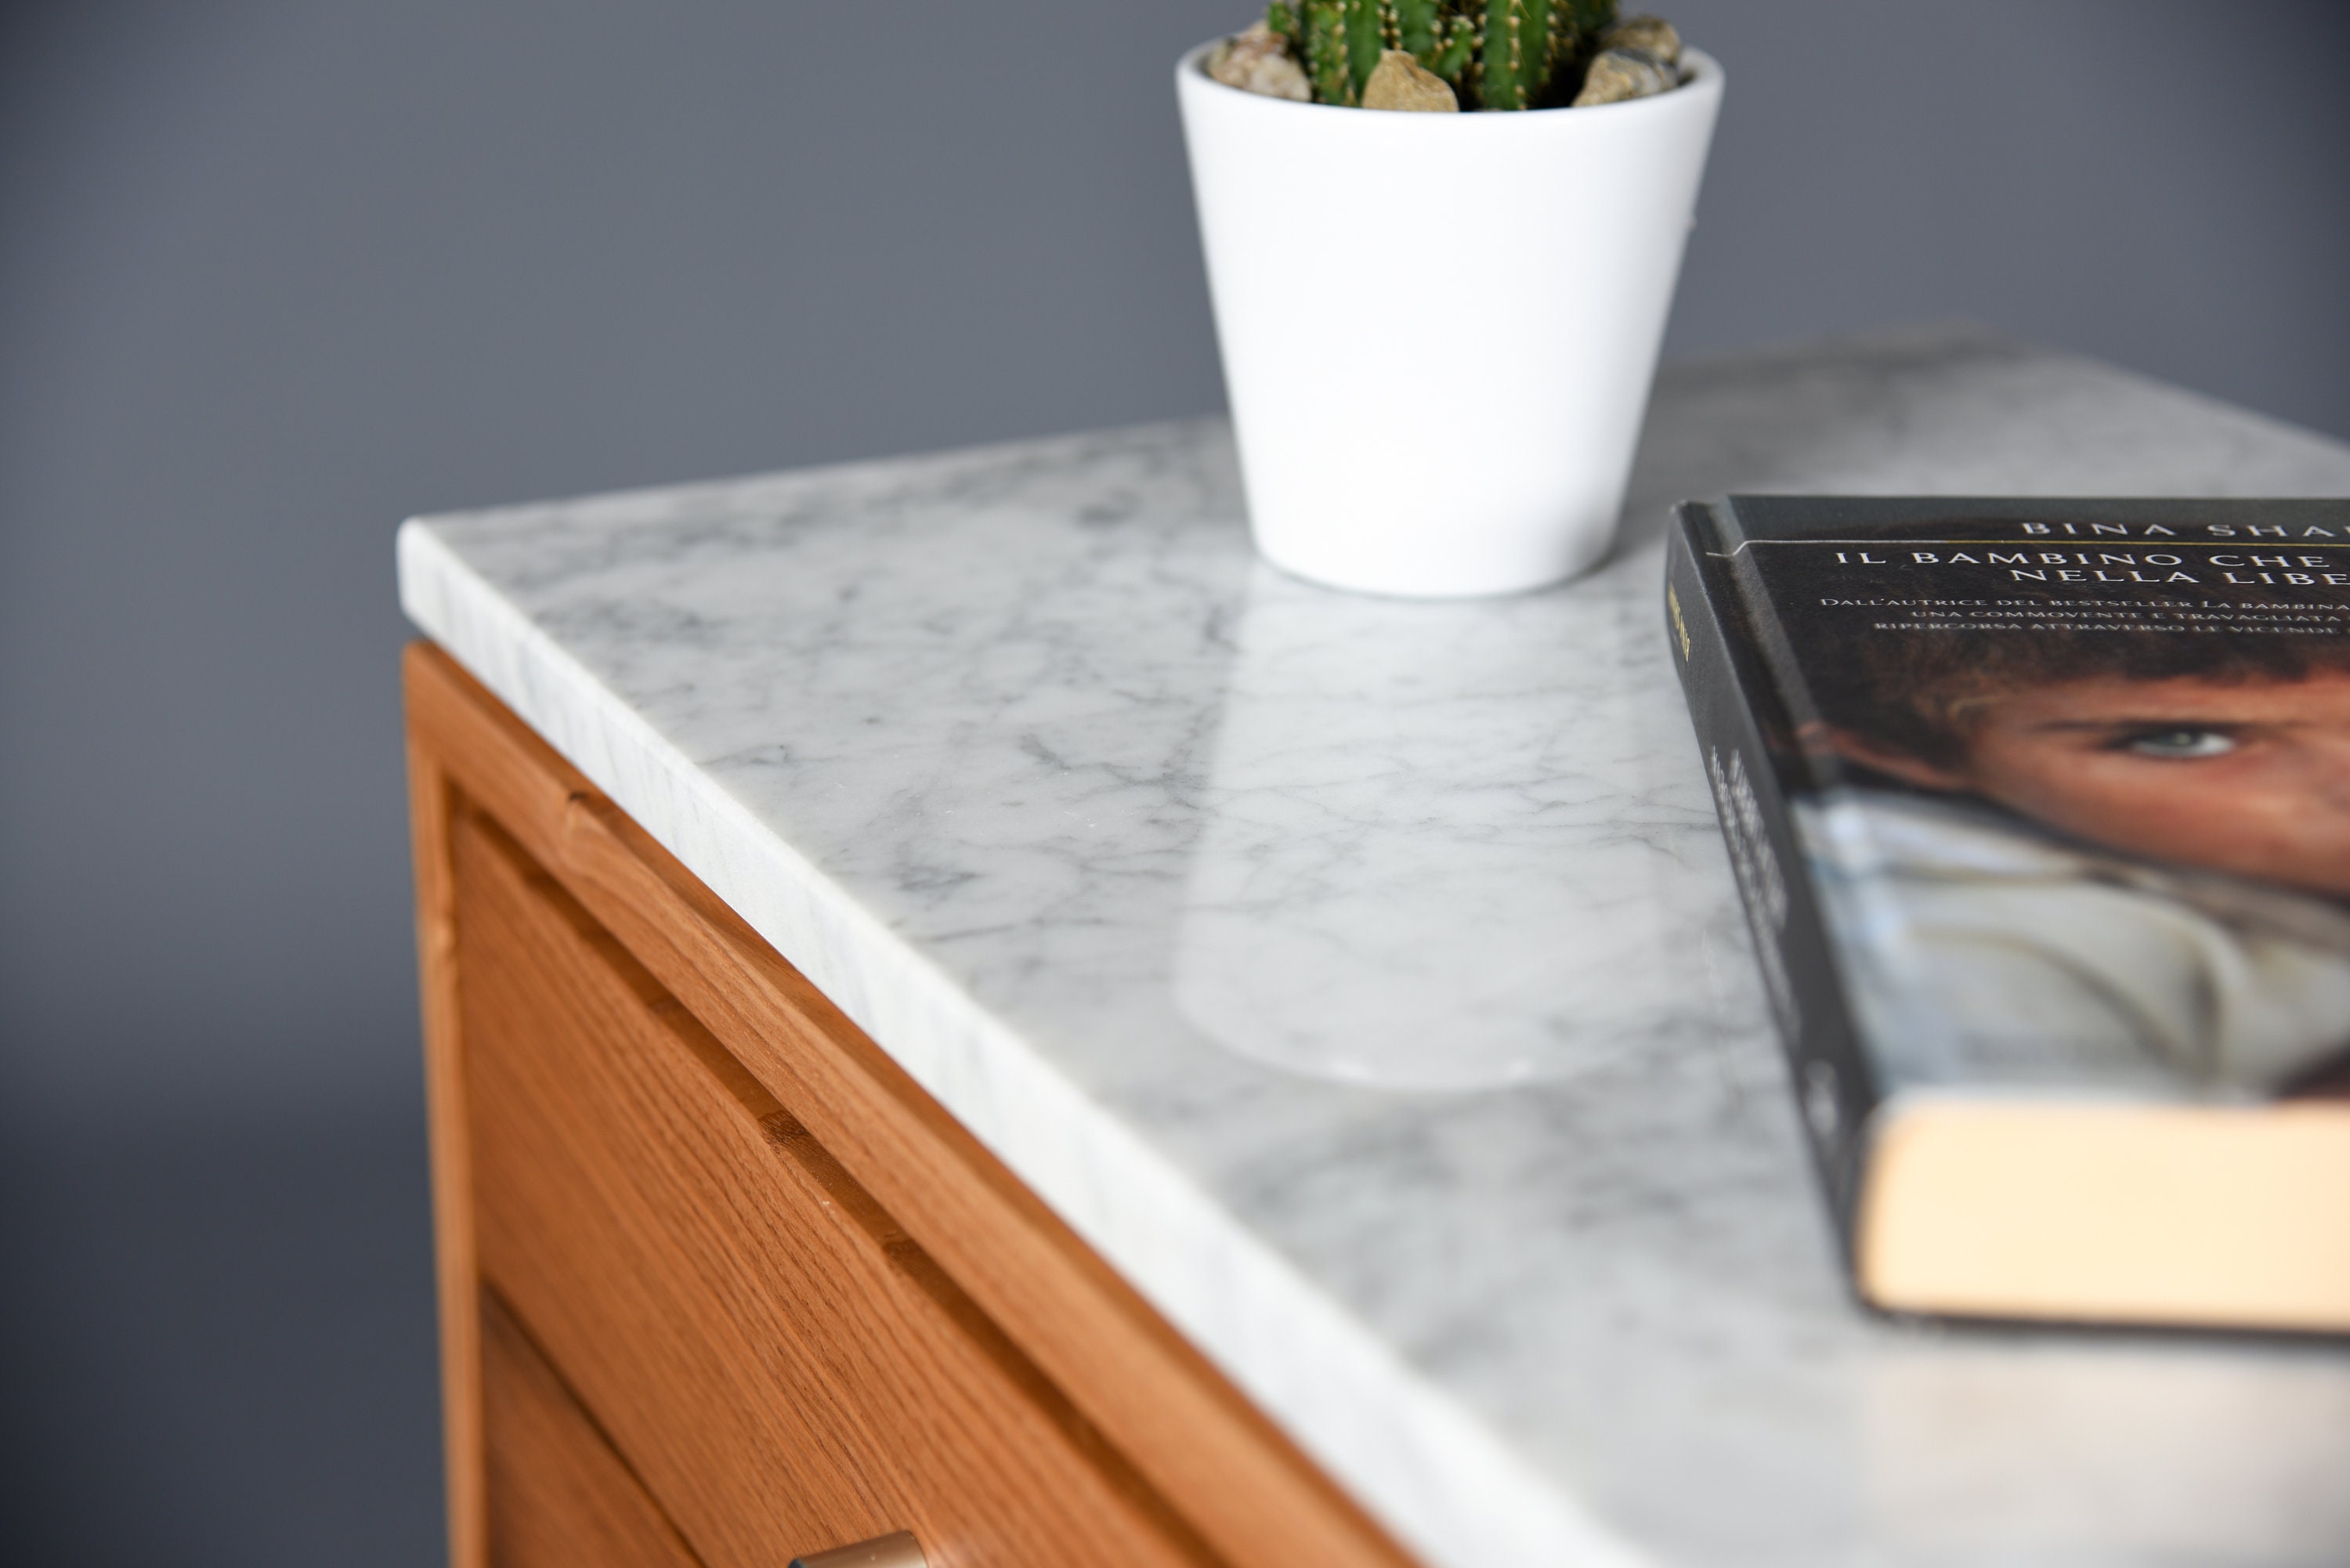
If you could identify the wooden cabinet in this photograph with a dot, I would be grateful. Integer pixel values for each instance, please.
(720, 1284)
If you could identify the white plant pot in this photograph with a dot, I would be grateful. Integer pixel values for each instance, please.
(1439, 330)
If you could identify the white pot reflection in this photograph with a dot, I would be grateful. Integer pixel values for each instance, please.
(1431, 853)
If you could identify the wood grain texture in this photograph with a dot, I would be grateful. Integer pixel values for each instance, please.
(431, 799)
(559, 1496)
(761, 1341)
(1153, 1402)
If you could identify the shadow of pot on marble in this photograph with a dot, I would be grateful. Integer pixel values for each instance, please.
(1439, 330)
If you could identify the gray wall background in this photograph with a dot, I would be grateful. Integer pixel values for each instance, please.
(274, 275)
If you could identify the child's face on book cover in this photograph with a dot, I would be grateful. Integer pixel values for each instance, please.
(2251, 778)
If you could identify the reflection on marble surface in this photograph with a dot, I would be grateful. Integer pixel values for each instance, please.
(1015, 751)
(1413, 869)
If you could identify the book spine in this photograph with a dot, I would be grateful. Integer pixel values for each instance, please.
(1737, 711)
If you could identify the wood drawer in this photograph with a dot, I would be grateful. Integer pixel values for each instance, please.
(560, 1495)
(763, 1344)
(784, 1295)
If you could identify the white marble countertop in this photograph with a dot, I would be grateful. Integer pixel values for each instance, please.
(1364, 979)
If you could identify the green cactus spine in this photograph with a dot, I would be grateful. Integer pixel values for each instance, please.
(1516, 56)
(1415, 28)
(1541, 29)
(1326, 51)
(1545, 24)
(1457, 46)
(1363, 42)
(1497, 54)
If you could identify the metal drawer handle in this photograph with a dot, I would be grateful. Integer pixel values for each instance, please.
(897, 1550)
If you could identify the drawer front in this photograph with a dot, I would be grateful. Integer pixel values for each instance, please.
(765, 1348)
(559, 1497)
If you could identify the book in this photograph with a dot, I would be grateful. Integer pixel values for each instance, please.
(2040, 811)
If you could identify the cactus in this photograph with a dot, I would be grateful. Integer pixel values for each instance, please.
(1325, 51)
(1436, 33)
(1363, 40)
(1496, 53)
(1416, 28)
(1459, 48)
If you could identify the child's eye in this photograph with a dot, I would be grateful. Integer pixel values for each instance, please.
(2176, 745)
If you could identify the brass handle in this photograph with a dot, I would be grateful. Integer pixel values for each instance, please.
(896, 1550)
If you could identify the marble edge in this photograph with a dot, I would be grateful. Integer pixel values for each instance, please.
(1444, 1482)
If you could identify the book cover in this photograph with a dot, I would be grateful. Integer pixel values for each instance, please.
(2040, 813)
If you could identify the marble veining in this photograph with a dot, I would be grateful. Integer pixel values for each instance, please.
(1364, 978)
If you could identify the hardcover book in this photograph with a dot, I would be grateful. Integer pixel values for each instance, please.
(2041, 814)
